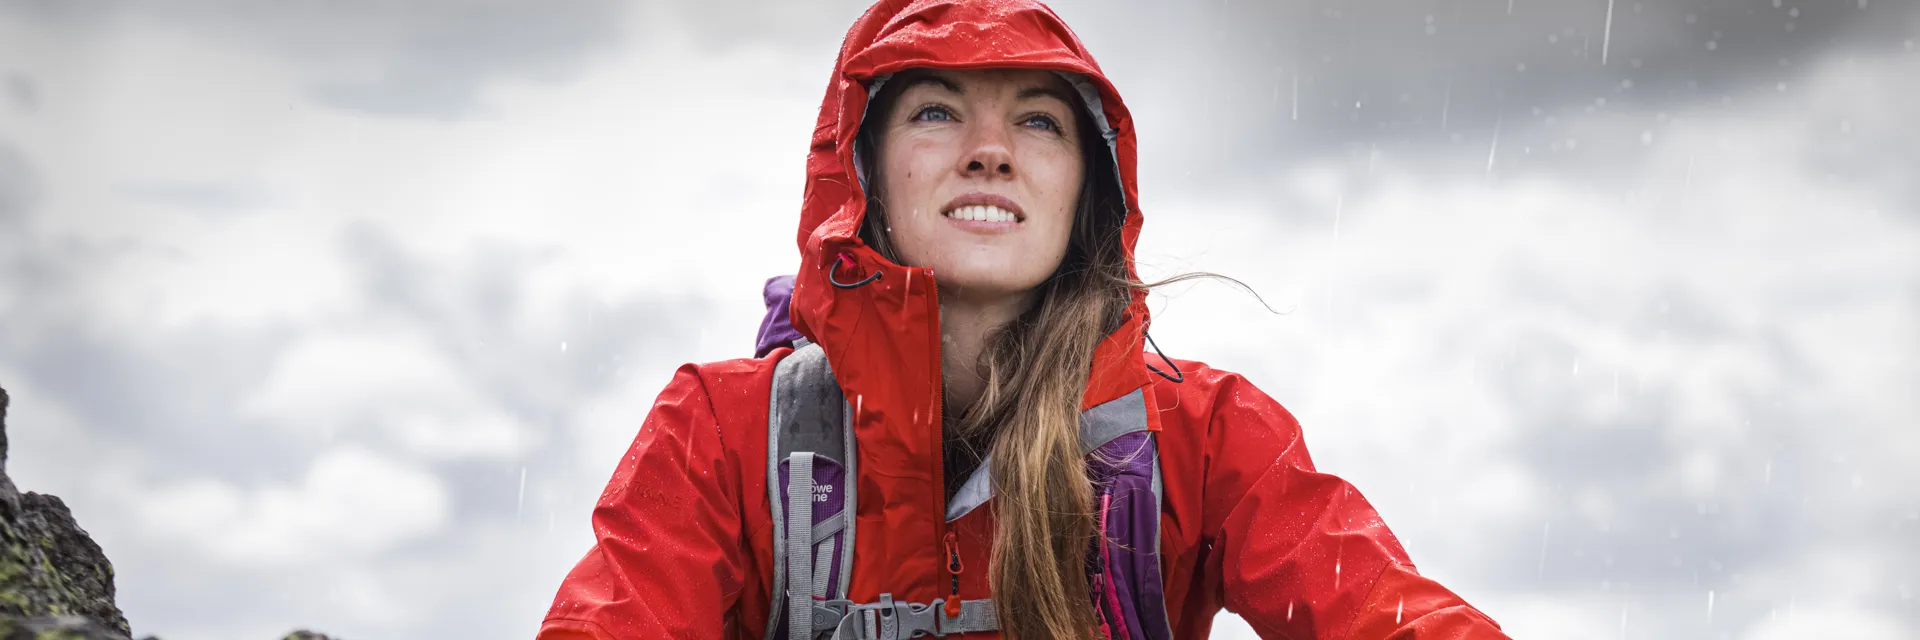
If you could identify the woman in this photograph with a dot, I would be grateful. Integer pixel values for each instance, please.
(979, 141)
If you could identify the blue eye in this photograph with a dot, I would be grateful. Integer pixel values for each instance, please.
(929, 114)
(1044, 122)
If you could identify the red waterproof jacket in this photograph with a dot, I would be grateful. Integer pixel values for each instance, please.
(684, 528)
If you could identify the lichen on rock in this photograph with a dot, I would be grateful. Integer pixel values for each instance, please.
(54, 581)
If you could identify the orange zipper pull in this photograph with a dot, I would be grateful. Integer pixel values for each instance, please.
(953, 571)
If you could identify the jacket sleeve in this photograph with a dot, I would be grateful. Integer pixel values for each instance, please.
(1302, 555)
(668, 561)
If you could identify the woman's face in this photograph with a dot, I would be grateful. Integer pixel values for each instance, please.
(980, 174)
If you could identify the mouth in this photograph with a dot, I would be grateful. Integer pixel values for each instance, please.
(984, 207)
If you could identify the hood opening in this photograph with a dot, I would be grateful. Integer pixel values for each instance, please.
(1089, 101)
(1102, 159)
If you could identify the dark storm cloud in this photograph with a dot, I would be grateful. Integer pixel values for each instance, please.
(1408, 71)
(1228, 91)
(425, 58)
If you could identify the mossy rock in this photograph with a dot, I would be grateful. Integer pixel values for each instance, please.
(50, 570)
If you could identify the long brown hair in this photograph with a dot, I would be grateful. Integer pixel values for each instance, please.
(1036, 370)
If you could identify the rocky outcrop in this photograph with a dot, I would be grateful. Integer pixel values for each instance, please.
(306, 635)
(54, 581)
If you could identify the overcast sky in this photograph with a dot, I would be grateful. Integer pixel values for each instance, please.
(339, 314)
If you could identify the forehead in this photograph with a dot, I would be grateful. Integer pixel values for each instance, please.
(1023, 83)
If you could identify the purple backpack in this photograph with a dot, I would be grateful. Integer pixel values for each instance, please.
(811, 463)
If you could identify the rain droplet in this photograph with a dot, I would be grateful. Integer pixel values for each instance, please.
(1712, 45)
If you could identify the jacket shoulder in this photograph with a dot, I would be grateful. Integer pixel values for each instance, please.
(1203, 384)
(1209, 399)
(738, 389)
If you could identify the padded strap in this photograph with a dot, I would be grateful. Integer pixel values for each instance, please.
(800, 545)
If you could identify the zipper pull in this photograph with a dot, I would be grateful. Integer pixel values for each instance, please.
(953, 571)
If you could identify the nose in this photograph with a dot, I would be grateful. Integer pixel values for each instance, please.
(988, 155)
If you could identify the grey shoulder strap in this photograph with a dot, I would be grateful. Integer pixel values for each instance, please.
(808, 423)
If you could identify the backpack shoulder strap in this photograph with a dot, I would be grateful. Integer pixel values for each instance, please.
(1123, 461)
(811, 472)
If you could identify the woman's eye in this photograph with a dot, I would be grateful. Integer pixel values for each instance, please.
(1046, 123)
(933, 114)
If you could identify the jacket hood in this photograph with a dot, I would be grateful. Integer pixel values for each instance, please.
(882, 337)
(896, 35)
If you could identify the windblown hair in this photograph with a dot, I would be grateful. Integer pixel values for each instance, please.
(1035, 370)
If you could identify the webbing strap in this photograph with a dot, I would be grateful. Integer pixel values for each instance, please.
(823, 568)
(889, 620)
(800, 545)
(833, 525)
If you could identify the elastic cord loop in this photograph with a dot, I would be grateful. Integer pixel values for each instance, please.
(833, 269)
(1178, 376)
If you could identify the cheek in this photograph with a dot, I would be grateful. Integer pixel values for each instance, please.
(909, 177)
(909, 186)
(1060, 176)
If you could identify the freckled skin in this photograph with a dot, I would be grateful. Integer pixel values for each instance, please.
(936, 145)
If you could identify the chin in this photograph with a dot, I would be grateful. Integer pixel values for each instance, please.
(977, 281)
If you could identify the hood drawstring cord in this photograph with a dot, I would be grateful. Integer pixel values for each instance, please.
(834, 267)
(1178, 376)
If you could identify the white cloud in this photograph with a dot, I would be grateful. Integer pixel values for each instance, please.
(351, 505)
(393, 382)
(1853, 623)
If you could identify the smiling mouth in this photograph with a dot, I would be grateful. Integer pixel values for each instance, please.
(982, 213)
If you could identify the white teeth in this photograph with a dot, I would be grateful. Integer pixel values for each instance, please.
(982, 213)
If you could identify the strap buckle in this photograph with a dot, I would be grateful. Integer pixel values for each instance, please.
(913, 619)
(828, 613)
(891, 620)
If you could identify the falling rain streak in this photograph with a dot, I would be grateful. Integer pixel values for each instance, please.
(1606, 37)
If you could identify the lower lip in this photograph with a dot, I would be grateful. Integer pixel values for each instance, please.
(982, 226)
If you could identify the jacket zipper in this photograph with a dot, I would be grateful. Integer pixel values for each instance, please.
(939, 411)
(953, 571)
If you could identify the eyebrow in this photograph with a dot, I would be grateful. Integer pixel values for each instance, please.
(940, 81)
(1044, 92)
